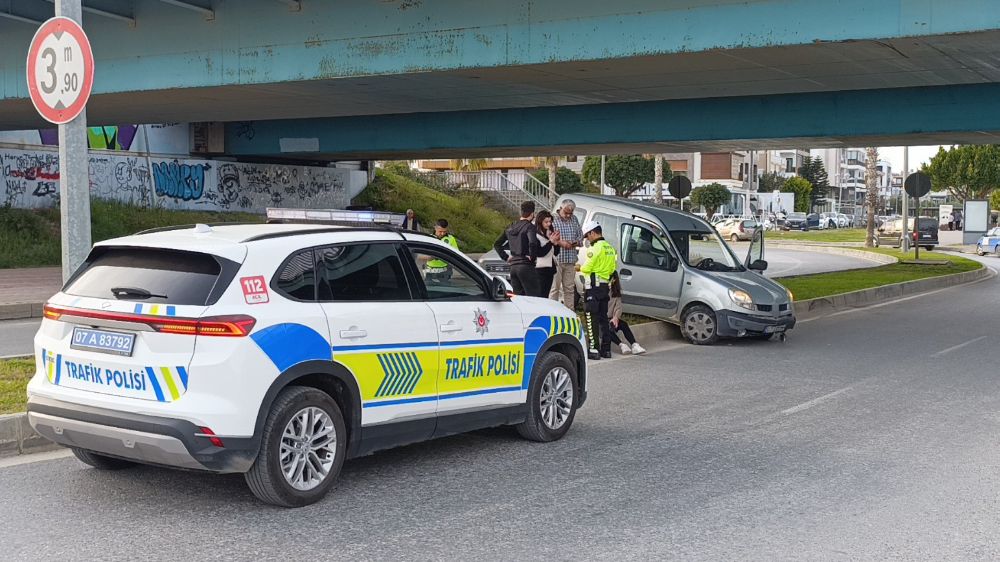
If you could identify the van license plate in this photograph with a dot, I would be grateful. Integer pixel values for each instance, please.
(116, 343)
(774, 329)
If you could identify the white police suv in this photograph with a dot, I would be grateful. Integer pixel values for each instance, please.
(280, 350)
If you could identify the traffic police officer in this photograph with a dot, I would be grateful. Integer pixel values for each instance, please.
(600, 261)
(437, 271)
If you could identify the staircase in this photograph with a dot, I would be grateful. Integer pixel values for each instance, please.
(507, 189)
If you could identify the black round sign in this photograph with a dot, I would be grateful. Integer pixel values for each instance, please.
(917, 184)
(679, 187)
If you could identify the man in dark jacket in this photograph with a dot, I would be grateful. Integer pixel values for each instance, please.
(522, 240)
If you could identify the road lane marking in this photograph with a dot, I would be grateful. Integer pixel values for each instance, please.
(957, 347)
(814, 402)
(35, 457)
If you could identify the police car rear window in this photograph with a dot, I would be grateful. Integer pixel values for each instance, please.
(148, 275)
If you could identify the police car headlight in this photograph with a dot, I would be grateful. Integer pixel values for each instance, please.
(741, 298)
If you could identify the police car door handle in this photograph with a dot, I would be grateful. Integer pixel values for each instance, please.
(353, 333)
(451, 327)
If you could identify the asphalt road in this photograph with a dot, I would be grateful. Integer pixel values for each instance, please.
(16, 335)
(871, 434)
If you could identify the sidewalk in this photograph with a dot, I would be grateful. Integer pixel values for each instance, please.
(23, 291)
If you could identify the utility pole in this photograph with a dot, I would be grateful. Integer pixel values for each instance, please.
(905, 246)
(74, 180)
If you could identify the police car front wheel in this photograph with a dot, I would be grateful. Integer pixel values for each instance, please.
(302, 449)
(551, 399)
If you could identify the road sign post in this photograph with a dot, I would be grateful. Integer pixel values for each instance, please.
(60, 78)
(916, 185)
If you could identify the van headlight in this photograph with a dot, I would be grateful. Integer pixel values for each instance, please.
(741, 298)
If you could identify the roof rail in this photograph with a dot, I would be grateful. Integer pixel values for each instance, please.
(187, 226)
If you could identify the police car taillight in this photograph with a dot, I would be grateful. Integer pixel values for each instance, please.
(232, 326)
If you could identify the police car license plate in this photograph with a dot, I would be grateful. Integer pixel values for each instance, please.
(117, 343)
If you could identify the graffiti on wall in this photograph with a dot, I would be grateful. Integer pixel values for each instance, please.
(30, 179)
(180, 181)
(114, 137)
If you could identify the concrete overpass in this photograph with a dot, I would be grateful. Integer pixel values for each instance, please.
(398, 78)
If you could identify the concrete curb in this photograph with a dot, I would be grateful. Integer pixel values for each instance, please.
(18, 438)
(18, 311)
(818, 307)
(837, 250)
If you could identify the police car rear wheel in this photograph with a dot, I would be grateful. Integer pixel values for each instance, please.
(551, 399)
(699, 325)
(302, 449)
(100, 461)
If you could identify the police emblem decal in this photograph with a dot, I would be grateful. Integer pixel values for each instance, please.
(481, 322)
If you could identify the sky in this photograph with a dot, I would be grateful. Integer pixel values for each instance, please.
(918, 156)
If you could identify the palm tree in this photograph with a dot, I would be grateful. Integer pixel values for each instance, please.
(551, 163)
(871, 184)
(658, 176)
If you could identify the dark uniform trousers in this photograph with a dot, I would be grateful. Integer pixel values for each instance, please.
(598, 324)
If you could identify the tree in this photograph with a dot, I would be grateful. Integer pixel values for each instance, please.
(995, 200)
(711, 196)
(624, 174)
(802, 190)
(968, 172)
(814, 172)
(871, 198)
(567, 181)
(770, 181)
(550, 163)
(658, 176)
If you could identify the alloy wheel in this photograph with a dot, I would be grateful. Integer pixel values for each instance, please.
(556, 399)
(308, 448)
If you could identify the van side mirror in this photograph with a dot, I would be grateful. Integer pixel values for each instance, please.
(758, 265)
(499, 290)
(672, 263)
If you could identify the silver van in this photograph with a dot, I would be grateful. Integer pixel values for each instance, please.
(675, 267)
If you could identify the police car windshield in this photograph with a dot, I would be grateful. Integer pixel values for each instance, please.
(705, 251)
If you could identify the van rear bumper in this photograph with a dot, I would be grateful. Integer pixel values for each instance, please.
(136, 437)
(737, 324)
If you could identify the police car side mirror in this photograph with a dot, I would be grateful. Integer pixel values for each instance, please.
(499, 289)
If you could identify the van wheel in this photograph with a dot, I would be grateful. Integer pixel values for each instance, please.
(699, 325)
(100, 461)
(929, 248)
(551, 399)
(302, 449)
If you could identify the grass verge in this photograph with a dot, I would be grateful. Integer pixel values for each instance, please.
(835, 235)
(30, 237)
(14, 375)
(475, 225)
(806, 287)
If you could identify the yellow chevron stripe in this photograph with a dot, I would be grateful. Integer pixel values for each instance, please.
(52, 370)
(155, 309)
(169, 379)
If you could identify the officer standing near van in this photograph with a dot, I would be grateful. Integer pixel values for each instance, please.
(438, 271)
(600, 262)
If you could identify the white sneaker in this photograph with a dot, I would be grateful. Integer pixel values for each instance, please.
(625, 349)
(637, 349)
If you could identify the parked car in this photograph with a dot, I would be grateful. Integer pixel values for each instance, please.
(801, 221)
(891, 233)
(828, 220)
(989, 243)
(735, 230)
(844, 221)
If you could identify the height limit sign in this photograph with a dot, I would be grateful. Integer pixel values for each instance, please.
(60, 70)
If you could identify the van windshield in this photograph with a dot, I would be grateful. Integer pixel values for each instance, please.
(705, 251)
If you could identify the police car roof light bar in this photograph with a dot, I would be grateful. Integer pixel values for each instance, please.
(333, 216)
